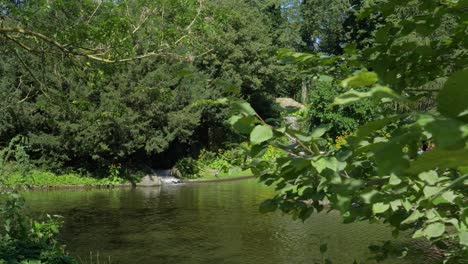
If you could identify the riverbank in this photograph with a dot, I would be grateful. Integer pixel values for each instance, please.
(37, 179)
(43, 180)
(233, 178)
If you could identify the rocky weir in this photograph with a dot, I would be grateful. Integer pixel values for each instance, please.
(158, 178)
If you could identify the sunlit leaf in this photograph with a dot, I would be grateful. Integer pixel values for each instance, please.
(434, 230)
(261, 133)
(431, 177)
(377, 92)
(362, 79)
(378, 208)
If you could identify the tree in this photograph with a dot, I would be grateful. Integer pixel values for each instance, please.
(119, 82)
(322, 26)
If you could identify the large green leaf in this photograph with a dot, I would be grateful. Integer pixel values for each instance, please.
(243, 107)
(431, 191)
(244, 124)
(447, 133)
(434, 230)
(362, 79)
(260, 134)
(440, 158)
(430, 177)
(452, 100)
(378, 208)
(331, 163)
(319, 131)
(377, 92)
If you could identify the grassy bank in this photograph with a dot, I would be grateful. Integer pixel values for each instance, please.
(44, 179)
(211, 175)
(38, 178)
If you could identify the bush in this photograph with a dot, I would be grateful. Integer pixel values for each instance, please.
(341, 118)
(24, 240)
(223, 160)
(186, 168)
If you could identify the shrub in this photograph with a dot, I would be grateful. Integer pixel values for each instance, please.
(341, 118)
(186, 168)
(25, 240)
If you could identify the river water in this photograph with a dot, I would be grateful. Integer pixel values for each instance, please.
(201, 223)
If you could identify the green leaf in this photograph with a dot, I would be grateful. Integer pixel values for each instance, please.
(371, 127)
(419, 233)
(413, 217)
(447, 133)
(362, 79)
(233, 119)
(243, 107)
(390, 158)
(406, 204)
(430, 177)
(378, 208)
(464, 238)
(319, 131)
(394, 180)
(434, 230)
(323, 163)
(450, 196)
(395, 205)
(258, 150)
(260, 134)
(244, 124)
(267, 206)
(377, 92)
(430, 191)
(367, 197)
(452, 99)
(441, 159)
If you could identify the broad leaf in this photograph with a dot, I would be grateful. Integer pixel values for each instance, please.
(430, 177)
(378, 208)
(434, 230)
(452, 100)
(377, 92)
(260, 134)
(362, 79)
(439, 158)
(243, 107)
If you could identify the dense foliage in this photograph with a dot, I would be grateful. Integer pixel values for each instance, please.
(384, 172)
(106, 83)
(24, 240)
(102, 86)
(341, 119)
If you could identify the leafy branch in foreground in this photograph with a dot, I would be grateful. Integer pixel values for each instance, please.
(378, 175)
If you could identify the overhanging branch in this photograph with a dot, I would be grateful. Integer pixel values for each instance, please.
(63, 48)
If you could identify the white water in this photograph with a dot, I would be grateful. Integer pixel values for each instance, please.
(169, 180)
(166, 177)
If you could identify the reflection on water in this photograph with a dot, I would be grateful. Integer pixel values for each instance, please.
(200, 223)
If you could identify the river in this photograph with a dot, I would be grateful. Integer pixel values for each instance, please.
(200, 223)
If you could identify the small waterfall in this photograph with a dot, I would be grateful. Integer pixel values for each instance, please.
(158, 178)
(166, 177)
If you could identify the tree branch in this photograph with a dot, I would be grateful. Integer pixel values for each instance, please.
(94, 12)
(200, 7)
(66, 50)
